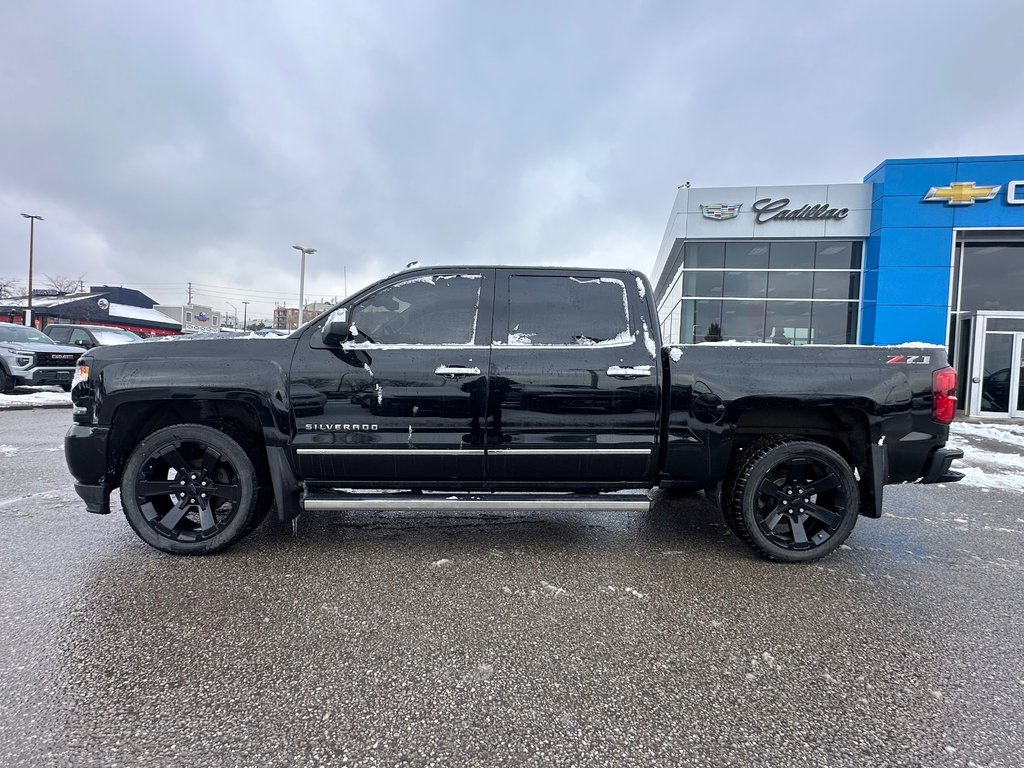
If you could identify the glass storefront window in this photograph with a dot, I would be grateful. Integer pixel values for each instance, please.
(992, 274)
(744, 255)
(836, 285)
(833, 322)
(790, 285)
(837, 255)
(792, 256)
(702, 284)
(790, 292)
(788, 322)
(701, 321)
(704, 256)
(743, 320)
(746, 284)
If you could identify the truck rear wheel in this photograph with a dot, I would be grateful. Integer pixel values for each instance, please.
(190, 489)
(792, 500)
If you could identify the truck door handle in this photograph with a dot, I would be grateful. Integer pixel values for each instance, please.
(629, 372)
(455, 371)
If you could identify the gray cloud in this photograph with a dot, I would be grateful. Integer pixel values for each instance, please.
(194, 141)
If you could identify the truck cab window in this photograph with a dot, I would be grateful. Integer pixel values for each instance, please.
(80, 337)
(438, 309)
(575, 311)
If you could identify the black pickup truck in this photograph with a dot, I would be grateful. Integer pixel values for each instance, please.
(503, 388)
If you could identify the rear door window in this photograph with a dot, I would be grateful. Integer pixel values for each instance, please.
(556, 310)
(60, 334)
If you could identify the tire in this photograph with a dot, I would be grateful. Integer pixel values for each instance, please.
(66, 387)
(791, 499)
(163, 485)
(6, 382)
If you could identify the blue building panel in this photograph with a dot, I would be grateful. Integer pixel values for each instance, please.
(906, 177)
(898, 324)
(913, 286)
(910, 211)
(909, 252)
(915, 247)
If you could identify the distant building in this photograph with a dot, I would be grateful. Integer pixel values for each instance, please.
(194, 318)
(113, 306)
(286, 318)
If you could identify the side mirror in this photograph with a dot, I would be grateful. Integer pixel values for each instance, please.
(336, 328)
(83, 343)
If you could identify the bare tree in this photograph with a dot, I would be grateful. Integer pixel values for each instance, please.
(10, 287)
(66, 284)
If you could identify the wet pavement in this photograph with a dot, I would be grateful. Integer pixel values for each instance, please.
(485, 640)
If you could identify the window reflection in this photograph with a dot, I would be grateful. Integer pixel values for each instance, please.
(741, 255)
(992, 276)
(763, 291)
(746, 284)
(743, 320)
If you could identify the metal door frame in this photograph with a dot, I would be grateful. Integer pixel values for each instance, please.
(976, 364)
(1016, 362)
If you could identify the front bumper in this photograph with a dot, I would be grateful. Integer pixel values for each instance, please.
(43, 376)
(85, 450)
(937, 470)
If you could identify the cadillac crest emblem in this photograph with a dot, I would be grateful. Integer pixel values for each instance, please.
(720, 211)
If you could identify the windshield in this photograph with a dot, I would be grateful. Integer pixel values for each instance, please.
(114, 336)
(23, 334)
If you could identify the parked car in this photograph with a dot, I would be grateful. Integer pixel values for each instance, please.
(28, 356)
(89, 336)
(504, 388)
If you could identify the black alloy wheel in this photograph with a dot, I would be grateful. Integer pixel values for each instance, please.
(190, 489)
(792, 499)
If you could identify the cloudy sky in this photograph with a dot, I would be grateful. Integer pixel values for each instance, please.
(198, 140)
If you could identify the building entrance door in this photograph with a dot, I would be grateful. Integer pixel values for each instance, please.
(1017, 378)
(996, 356)
(1002, 385)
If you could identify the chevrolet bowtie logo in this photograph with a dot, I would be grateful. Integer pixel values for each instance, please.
(961, 193)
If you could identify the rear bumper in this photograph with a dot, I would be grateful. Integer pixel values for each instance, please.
(85, 450)
(937, 470)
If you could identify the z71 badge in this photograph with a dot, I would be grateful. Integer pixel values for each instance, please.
(909, 360)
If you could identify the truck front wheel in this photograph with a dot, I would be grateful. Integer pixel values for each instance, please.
(190, 489)
(792, 499)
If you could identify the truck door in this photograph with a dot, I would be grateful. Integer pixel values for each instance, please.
(404, 398)
(574, 381)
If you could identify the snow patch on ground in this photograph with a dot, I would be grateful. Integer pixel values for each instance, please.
(990, 469)
(1012, 434)
(8, 450)
(36, 396)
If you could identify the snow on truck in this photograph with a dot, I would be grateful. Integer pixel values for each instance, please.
(503, 388)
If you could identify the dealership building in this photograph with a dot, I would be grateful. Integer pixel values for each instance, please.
(925, 249)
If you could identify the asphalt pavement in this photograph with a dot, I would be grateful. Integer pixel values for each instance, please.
(540, 639)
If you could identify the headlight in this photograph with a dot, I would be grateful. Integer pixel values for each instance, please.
(81, 374)
(22, 357)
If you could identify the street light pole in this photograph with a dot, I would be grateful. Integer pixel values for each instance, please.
(302, 278)
(234, 323)
(31, 247)
(245, 315)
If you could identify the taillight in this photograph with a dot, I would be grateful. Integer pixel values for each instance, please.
(944, 395)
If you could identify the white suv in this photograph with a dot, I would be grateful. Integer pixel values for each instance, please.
(28, 356)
